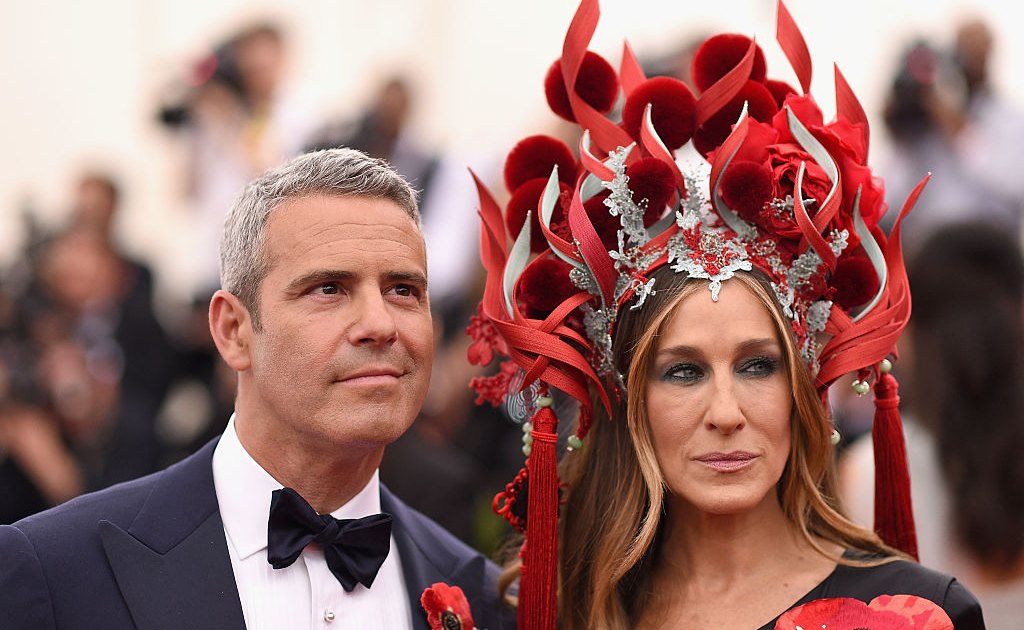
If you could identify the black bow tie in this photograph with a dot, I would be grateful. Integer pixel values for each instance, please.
(354, 549)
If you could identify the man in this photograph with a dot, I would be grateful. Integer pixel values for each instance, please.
(324, 316)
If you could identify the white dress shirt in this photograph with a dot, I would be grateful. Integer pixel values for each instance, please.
(305, 594)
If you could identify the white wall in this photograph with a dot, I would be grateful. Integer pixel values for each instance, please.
(80, 79)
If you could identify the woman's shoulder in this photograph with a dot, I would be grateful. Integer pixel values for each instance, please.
(903, 577)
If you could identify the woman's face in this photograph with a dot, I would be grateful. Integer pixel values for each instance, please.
(719, 402)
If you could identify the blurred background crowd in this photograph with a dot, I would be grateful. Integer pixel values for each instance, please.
(107, 371)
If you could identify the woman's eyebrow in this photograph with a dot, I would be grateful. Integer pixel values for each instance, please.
(760, 343)
(680, 350)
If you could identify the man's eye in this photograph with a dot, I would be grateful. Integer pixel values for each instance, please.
(328, 288)
(406, 290)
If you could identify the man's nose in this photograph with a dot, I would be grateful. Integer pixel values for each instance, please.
(373, 321)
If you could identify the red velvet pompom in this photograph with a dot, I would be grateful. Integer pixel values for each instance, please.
(671, 112)
(525, 199)
(606, 225)
(780, 90)
(544, 285)
(720, 54)
(746, 187)
(534, 156)
(855, 281)
(651, 179)
(560, 217)
(597, 84)
(760, 106)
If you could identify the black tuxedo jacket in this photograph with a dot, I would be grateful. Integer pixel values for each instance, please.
(151, 554)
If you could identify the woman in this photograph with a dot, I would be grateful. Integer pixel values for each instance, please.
(706, 460)
(696, 282)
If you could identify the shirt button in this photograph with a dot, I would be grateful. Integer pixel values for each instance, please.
(328, 616)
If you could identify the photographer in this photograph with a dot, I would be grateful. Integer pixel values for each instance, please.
(944, 116)
(237, 119)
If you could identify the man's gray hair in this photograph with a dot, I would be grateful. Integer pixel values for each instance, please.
(331, 172)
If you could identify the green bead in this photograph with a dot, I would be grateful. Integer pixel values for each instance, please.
(526, 449)
(527, 427)
(835, 437)
(885, 366)
(545, 401)
(861, 388)
(527, 439)
(575, 442)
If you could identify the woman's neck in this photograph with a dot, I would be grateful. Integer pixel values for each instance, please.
(719, 549)
(729, 571)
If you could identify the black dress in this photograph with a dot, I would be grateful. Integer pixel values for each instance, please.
(899, 578)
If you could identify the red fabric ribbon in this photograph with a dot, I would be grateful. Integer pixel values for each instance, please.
(791, 40)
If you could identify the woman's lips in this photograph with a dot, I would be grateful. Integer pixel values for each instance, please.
(727, 462)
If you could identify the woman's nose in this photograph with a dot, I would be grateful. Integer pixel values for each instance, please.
(724, 413)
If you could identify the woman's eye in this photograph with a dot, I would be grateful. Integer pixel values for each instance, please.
(686, 372)
(760, 366)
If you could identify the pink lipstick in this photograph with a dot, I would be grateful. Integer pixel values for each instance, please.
(727, 462)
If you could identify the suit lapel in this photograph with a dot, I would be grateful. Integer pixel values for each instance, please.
(172, 564)
(426, 558)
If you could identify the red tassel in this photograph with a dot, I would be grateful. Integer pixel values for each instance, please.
(894, 516)
(537, 589)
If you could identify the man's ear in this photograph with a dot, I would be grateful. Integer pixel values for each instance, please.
(231, 327)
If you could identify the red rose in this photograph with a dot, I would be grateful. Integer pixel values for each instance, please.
(785, 160)
(759, 137)
(846, 144)
(774, 145)
(805, 109)
(852, 138)
(872, 193)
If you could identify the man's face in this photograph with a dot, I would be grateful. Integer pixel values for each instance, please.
(343, 357)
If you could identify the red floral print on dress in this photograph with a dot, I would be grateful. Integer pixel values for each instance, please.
(886, 612)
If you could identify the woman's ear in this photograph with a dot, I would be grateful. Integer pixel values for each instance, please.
(231, 327)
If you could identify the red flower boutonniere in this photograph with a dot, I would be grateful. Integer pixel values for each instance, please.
(447, 608)
(886, 612)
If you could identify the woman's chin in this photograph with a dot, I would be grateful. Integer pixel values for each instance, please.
(727, 502)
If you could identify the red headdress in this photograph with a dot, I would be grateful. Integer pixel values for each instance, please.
(741, 172)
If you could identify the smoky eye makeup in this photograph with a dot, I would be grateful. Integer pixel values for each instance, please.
(761, 365)
(682, 372)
